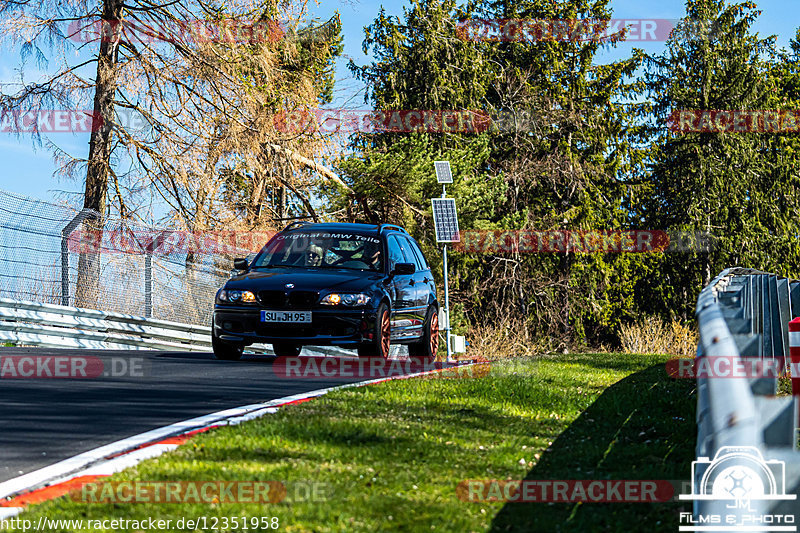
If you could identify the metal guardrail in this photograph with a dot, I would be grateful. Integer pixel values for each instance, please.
(58, 326)
(744, 313)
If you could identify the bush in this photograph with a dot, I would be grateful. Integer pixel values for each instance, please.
(655, 336)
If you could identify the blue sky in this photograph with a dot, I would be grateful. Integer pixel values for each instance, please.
(29, 170)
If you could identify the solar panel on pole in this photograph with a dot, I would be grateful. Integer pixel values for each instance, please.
(445, 220)
(443, 174)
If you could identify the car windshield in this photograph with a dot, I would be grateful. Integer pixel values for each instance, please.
(322, 250)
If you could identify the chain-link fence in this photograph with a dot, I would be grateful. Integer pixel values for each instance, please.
(56, 254)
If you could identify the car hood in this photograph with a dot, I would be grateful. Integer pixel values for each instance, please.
(310, 279)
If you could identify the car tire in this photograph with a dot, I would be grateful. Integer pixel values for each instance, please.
(425, 350)
(286, 349)
(381, 346)
(225, 350)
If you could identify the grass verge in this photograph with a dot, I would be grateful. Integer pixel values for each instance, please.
(389, 457)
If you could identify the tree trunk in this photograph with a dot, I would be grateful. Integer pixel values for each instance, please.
(97, 173)
(281, 211)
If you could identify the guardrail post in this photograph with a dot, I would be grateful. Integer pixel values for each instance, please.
(766, 318)
(65, 233)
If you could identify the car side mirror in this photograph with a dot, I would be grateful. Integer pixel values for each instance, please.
(240, 264)
(402, 269)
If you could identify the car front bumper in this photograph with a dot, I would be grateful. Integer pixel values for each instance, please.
(328, 327)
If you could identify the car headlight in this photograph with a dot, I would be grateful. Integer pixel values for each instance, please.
(235, 296)
(350, 300)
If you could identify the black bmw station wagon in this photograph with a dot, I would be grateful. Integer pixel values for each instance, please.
(350, 285)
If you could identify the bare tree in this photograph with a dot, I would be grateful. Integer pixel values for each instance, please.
(178, 106)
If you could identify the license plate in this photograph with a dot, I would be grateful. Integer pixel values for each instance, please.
(291, 317)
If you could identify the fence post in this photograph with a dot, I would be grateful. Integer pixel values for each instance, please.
(148, 283)
(149, 248)
(65, 233)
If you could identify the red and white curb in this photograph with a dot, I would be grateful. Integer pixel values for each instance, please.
(59, 478)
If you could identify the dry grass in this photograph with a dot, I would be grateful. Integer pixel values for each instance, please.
(500, 341)
(654, 336)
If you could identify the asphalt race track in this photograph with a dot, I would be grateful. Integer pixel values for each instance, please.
(46, 420)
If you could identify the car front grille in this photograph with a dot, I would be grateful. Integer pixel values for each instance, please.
(288, 299)
(302, 299)
(272, 299)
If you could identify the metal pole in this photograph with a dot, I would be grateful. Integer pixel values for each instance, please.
(446, 293)
(446, 308)
(149, 249)
(148, 283)
(64, 272)
(65, 233)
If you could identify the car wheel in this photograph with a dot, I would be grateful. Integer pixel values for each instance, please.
(225, 350)
(428, 345)
(381, 344)
(286, 349)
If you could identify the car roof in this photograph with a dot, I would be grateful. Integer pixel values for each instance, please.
(371, 229)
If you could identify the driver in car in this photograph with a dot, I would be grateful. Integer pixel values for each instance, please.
(313, 255)
(372, 256)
